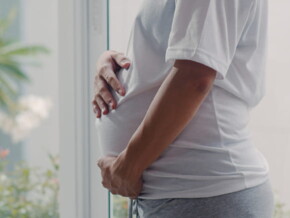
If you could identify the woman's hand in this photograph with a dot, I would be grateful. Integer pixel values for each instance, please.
(118, 178)
(108, 64)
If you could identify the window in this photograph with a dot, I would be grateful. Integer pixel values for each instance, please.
(86, 24)
(77, 32)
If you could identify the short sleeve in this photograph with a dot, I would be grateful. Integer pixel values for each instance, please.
(207, 31)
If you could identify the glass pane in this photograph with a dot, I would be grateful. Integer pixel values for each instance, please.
(121, 16)
(120, 206)
(29, 139)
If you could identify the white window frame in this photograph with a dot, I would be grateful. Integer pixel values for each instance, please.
(83, 37)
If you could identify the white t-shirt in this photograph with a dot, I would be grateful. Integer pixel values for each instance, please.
(214, 154)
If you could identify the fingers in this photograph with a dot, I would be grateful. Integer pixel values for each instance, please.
(111, 79)
(107, 66)
(132, 195)
(123, 193)
(96, 109)
(121, 59)
(103, 99)
(127, 190)
(101, 104)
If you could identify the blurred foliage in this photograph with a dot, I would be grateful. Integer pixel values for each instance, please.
(25, 192)
(120, 206)
(13, 56)
(29, 192)
(280, 210)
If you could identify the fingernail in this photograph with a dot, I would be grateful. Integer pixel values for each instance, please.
(120, 91)
(111, 105)
(124, 62)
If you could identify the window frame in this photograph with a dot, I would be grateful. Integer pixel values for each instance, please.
(83, 25)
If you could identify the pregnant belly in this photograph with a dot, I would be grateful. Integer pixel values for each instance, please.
(115, 129)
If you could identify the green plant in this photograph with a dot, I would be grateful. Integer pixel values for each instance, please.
(12, 75)
(280, 210)
(120, 206)
(25, 192)
(29, 192)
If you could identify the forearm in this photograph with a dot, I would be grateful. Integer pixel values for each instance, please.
(174, 105)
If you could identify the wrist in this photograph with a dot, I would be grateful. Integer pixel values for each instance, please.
(129, 165)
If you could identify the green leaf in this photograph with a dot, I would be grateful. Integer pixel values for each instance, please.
(22, 50)
(12, 57)
(5, 23)
(6, 102)
(6, 87)
(13, 71)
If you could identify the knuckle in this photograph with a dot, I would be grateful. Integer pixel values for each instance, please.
(103, 69)
(102, 89)
(123, 59)
(97, 77)
(109, 78)
(96, 82)
(99, 100)
(119, 56)
(116, 54)
(112, 52)
(103, 105)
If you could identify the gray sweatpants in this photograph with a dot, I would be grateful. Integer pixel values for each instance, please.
(255, 202)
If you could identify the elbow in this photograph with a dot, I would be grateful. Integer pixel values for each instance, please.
(197, 76)
(201, 85)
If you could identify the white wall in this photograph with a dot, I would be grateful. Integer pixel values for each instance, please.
(40, 27)
(271, 119)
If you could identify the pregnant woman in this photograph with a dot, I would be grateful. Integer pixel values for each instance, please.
(176, 139)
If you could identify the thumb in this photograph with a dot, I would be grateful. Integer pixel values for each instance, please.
(123, 61)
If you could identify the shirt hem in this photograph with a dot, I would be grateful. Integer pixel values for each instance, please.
(219, 191)
(199, 56)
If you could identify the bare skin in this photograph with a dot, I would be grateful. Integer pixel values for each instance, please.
(187, 85)
(106, 81)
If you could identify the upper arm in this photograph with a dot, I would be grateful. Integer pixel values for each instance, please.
(195, 72)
